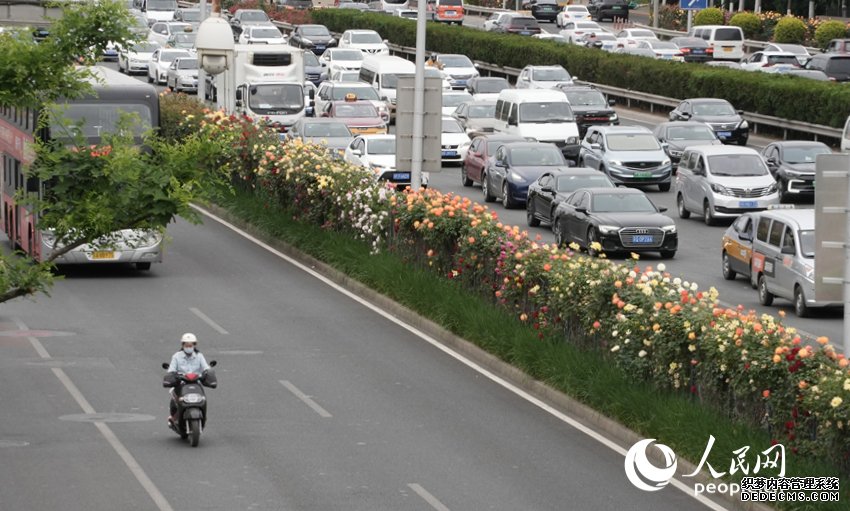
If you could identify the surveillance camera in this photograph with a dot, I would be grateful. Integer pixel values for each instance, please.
(213, 64)
(215, 45)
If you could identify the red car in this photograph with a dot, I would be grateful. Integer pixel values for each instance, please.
(361, 116)
(482, 148)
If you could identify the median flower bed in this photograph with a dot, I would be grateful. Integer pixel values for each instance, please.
(652, 325)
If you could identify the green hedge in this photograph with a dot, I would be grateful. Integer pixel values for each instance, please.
(780, 96)
(790, 30)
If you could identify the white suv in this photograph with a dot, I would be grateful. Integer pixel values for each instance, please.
(367, 41)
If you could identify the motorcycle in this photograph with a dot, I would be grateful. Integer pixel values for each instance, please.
(188, 394)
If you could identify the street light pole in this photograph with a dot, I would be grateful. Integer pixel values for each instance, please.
(418, 99)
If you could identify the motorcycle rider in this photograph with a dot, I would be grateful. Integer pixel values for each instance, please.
(187, 360)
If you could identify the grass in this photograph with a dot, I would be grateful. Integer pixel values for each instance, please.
(679, 420)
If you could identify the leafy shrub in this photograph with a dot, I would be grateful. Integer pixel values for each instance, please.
(710, 16)
(790, 30)
(179, 115)
(828, 31)
(750, 23)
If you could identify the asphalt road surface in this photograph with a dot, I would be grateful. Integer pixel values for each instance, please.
(322, 403)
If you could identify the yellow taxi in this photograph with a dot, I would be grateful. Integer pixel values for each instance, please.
(737, 247)
(361, 116)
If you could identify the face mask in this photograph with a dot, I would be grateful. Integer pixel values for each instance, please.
(188, 351)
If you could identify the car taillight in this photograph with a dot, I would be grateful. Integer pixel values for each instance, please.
(657, 54)
(678, 55)
(709, 50)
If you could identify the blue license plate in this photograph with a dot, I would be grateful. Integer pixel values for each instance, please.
(447, 154)
(401, 176)
(748, 204)
(525, 33)
(724, 134)
(642, 239)
(698, 52)
(320, 46)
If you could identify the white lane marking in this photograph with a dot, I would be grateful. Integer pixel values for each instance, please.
(307, 400)
(128, 459)
(457, 356)
(430, 499)
(206, 319)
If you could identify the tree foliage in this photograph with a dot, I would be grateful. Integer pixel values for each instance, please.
(790, 30)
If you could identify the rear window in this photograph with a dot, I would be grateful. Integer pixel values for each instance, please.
(524, 22)
(728, 34)
(839, 65)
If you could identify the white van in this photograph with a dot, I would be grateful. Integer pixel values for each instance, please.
(382, 72)
(542, 115)
(727, 41)
(158, 10)
(845, 138)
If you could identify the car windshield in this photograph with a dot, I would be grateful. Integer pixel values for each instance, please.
(482, 111)
(265, 33)
(543, 156)
(737, 165)
(632, 142)
(185, 38)
(326, 129)
(589, 25)
(264, 99)
(728, 34)
(169, 56)
(315, 31)
(455, 99)
(577, 8)
(347, 76)
(310, 59)
(187, 64)
(455, 61)
(348, 55)
(162, 5)
(338, 93)
(689, 42)
(622, 203)
(796, 49)
(179, 28)
(366, 38)
(523, 22)
(586, 98)
(807, 243)
(696, 132)
(573, 183)
(491, 85)
(550, 111)
(805, 154)
(254, 16)
(782, 59)
(357, 110)
(381, 146)
(191, 15)
(550, 74)
(451, 126)
(494, 145)
(713, 108)
(144, 47)
(98, 119)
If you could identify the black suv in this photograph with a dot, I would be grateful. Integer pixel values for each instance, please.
(611, 9)
(545, 10)
(590, 107)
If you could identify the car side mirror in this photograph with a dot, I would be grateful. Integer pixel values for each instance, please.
(165, 365)
(311, 94)
(598, 147)
(684, 115)
(787, 250)
(739, 112)
(772, 161)
(499, 163)
(583, 211)
(745, 235)
(239, 103)
(238, 94)
(662, 209)
(547, 189)
(664, 145)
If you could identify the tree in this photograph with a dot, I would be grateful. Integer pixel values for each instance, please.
(91, 192)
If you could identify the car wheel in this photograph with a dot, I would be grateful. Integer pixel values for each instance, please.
(707, 215)
(592, 237)
(782, 189)
(558, 230)
(800, 307)
(532, 220)
(150, 80)
(765, 296)
(680, 206)
(485, 189)
(728, 272)
(464, 177)
(668, 254)
(664, 187)
(507, 202)
(120, 69)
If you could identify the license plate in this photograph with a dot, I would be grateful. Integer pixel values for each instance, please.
(724, 134)
(447, 154)
(643, 174)
(698, 52)
(103, 254)
(616, 7)
(642, 239)
(320, 46)
(525, 33)
(401, 176)
(728, 48)
(748, 204)
(451, 13)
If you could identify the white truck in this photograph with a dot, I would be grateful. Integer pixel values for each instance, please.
(266, 81)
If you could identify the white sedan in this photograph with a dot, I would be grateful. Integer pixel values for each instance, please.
(763, 60)
(261, 34)
(451, 100)
(547, 36)
(161, 60)
(453, 140)
(572, 13)
(629, 37)
(664, 50)
(496, 19)
(342, 58)
(377, 153)
(367, 41)
(160, 32)
(136, 58)
(575, 29)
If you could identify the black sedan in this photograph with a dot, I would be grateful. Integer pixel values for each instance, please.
(694, 49)
(726, 122)
(515, 166)
(545, 10)
(677, 136)
(552, 188)
(315, 38)
(792, 163)
(615, 220)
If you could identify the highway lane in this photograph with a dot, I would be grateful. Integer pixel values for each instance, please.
(394, 423)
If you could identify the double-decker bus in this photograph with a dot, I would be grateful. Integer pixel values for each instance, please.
(98, 113)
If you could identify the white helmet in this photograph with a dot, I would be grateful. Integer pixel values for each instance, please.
(189, 338)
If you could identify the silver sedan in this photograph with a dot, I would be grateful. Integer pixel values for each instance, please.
(182, 75)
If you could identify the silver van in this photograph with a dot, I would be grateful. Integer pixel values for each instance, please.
(783, 263)
(723, 182)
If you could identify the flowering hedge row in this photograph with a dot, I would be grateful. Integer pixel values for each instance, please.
(654, 326)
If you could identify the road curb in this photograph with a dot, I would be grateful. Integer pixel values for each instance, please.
(584, 414)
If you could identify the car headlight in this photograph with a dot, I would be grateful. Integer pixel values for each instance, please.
(670, 229)
(665, 163)
(675, 154)
(613, 117)
(722, 190)
(517, 177)
(617, 163)
(608, 229)
(743, 125)
(772, 188)
(573, 140)
(193, 398)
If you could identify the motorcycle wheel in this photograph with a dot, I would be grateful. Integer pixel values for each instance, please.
(194, 431)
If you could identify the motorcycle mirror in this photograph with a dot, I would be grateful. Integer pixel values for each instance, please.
(213, 363)
(165, 365)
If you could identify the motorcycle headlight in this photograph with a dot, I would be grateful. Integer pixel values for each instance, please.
(608, 229)
(669, 228)
(722, 190)
(193, 398)
(743, 125)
